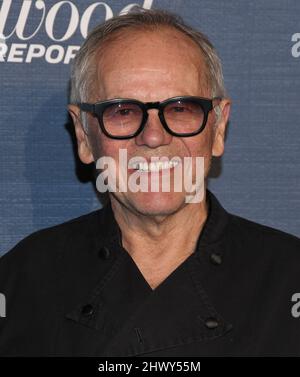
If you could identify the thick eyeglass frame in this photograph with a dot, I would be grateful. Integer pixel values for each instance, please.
(97, 110)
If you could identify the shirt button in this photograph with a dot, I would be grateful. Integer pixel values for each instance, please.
(87, 310)
(104, 252)
(211, 323)
(216, 259)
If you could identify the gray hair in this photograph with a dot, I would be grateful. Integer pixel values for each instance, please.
(84, 67)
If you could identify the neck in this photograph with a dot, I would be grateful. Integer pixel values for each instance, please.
(159, 244)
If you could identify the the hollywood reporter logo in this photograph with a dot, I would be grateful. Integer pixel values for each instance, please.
(3, 47)
(47, 17)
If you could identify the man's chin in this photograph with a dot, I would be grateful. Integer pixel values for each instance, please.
(156, 203)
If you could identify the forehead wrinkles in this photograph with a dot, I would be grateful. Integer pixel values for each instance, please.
(117, 48)
(140, 74)
(154, 84)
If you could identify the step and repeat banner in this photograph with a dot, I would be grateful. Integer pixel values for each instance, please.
(43, 183)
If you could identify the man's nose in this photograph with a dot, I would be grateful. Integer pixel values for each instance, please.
(153, 134)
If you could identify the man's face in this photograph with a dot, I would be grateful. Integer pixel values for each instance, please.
(153, 66)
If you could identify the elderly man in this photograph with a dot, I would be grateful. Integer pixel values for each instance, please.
(151, 273)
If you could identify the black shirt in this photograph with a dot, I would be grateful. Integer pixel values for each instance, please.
(73, 290)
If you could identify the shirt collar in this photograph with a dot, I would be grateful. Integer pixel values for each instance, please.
(216, 221)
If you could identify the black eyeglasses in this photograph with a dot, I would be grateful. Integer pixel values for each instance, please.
(121, 118)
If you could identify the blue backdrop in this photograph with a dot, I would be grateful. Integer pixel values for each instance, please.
(42, 181)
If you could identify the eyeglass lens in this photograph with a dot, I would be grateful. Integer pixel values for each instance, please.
(183, 116)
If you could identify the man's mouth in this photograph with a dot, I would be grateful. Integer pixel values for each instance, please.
(154, 166)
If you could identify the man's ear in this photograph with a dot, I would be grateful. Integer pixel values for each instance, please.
(219, 133)
(84, 150)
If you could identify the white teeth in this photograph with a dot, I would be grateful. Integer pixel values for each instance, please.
(155, 166)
